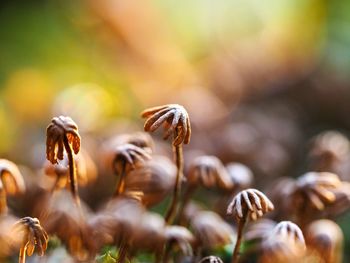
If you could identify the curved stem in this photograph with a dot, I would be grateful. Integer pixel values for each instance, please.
(22, 254)
(120, 185)
(72, 171)
(177, 189)
(235, 255)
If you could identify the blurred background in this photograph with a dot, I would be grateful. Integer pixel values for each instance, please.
(259, 78)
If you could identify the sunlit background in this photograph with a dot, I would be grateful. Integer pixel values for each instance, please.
(259, 78)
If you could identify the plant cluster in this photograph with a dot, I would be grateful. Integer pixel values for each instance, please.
(290, 222)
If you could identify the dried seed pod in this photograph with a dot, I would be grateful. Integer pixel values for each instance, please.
(247, 203)
(325, 241)
(151, 182)
(126, 157)
(209, 172)
(211, 259)
(103, 227)
(33, 237)
(289, 230)
(180, 236)
(62, 133)
(314, 189)
(328, 150)
(61, 129)
(279, 249)
(210, 230)
(11, 182)
(341, 203)
(151, 225)
(175, 119)
(250, 202)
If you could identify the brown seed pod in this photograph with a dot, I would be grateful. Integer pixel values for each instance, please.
(151, 225)
(126, 156)
(210, 230)
(250, 202)
(209, 172)
(180, 236)
(60, 129)
(289, 230)
(325, 239)
(62, 134)
(341, 203)
(175, 119)
(279, 249)
(211, 259)
(315, 189)
(11, 182)
(328, 150)
(247, 203)
(33, 237)
(151, 182)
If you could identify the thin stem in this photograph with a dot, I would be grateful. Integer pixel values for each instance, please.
(3, 201)
(177, 189)
(120, 185)
(72, 171)
(22, 254)
(235, 255)
(123, 250)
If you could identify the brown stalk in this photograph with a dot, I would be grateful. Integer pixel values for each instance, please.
(171, 212)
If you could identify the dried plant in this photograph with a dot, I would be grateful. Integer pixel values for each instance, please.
(211, 259)
(289, 230)
(33, 236)
(313, 190)
(247, 203)
(328, 150)
(11, 182)
(207, 171)
(62, 134)
(125, 158)
(176, 122)
(325, 241)
(210, 230)
(278, 249)
(179, 236)
(151, 182)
